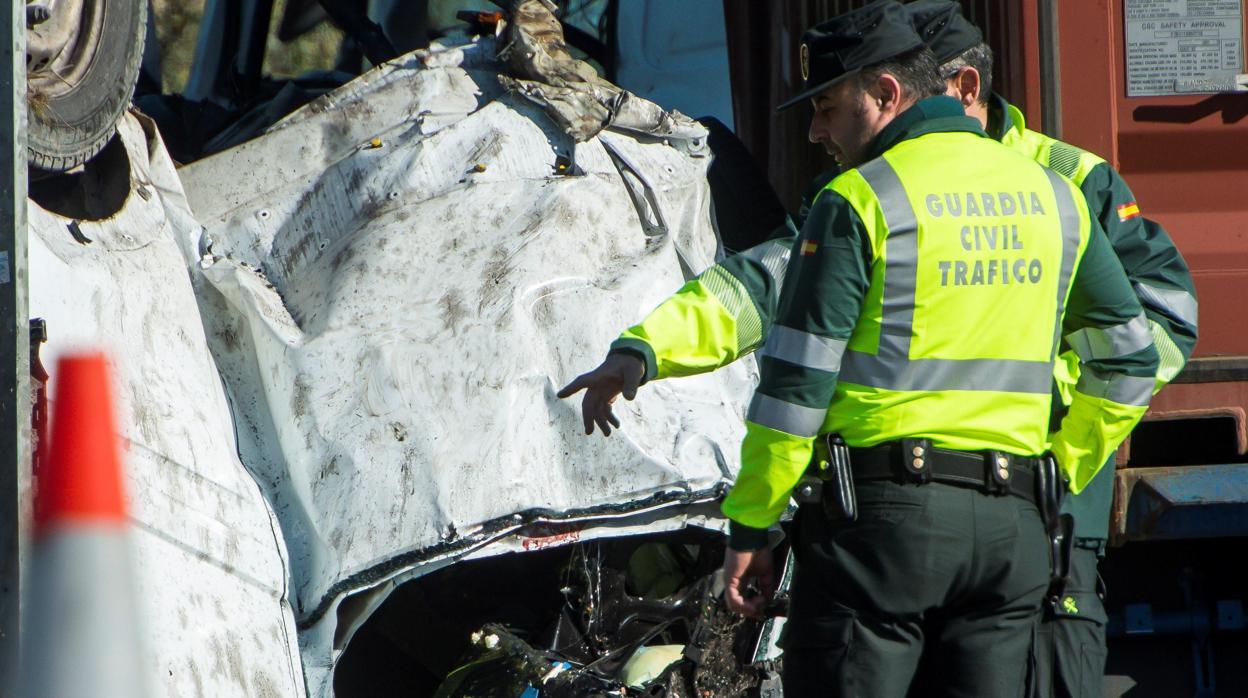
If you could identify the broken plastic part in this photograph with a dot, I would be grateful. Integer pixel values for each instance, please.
(556, 670)
(649, 662)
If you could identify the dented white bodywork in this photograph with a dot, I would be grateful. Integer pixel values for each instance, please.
(211, 569)
(392, 282)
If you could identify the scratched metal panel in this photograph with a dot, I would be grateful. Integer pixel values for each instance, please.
(209, 559)
(394, 316)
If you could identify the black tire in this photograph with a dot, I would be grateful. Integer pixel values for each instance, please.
(68, 122)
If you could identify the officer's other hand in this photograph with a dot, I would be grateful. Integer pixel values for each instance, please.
(620, 373)
(741, 567)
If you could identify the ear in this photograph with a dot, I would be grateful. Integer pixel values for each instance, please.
(967, 81)
(888, 93)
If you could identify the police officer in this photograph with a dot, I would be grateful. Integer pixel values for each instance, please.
(919, 320)
(1071, 647)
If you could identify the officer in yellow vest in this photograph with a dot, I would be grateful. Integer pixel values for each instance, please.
(918, 319)
(1071, 643)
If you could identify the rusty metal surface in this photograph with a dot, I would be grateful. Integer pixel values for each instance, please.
(1185, 157)
(1234, 413)
(1186, 502)
(1188, 400)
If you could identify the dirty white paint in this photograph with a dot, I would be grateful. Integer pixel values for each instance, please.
(393, 322)
(210, 570)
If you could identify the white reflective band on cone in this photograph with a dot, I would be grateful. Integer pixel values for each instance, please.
(82, 637)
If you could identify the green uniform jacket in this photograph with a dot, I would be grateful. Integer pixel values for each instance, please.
(1157, 271)
(726, 312)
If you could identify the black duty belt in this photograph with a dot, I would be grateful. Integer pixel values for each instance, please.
(917, 461)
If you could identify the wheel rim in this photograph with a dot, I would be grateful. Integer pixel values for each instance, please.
(59, 51)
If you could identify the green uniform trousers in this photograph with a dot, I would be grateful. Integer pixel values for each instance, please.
(939, 572)
(1070, 642)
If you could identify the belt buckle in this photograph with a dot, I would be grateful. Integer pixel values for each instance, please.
(915, 460)
(998, 471)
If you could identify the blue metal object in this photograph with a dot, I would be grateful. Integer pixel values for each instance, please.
(1230, 615)
(1139, 619)
(1195, 501)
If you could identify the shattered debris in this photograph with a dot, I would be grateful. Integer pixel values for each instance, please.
(570, 90)
(637, 619)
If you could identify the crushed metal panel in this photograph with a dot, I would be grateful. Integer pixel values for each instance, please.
(209, 558)
(397, 93)
(394, 307)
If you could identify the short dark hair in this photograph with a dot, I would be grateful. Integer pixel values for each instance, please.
(978, 57)
(916, 70)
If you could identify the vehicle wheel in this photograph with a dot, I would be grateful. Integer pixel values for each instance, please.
(82, 61)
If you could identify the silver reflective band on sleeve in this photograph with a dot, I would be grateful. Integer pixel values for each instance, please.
(1175, 304)
(1068, 214)
(784, 416)
(774, 256)
(901, 257)
(1092, 343)
(1001, 375)
(804, 349)
(1124, 390)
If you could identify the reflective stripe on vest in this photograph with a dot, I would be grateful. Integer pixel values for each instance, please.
(891, 367)
(1069, 216)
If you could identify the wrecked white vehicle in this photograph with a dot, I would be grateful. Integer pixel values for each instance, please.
(392, 282)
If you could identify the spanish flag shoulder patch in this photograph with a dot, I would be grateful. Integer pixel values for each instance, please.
(809, 247)
(1128, 211)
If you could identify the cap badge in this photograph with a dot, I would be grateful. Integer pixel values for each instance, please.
(804, 55)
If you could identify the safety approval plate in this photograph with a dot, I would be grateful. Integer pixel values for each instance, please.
(1183, 46)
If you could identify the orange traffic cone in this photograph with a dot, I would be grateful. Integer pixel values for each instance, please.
(81, 635)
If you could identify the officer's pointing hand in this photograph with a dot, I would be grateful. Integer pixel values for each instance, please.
(742, 566)
(620, 373)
